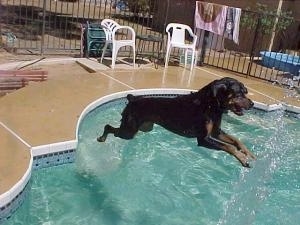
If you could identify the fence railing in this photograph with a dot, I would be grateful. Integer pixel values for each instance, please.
(257, 54)
(52, 27)
(55, 27)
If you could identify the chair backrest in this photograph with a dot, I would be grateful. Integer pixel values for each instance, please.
(178, 32)
(94, 31)
(109, 26)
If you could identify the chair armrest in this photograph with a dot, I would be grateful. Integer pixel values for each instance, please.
(130, 29)
(195, 38)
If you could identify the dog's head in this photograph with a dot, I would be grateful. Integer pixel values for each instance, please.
(231, 95)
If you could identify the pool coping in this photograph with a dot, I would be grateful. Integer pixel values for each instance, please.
(13, 198)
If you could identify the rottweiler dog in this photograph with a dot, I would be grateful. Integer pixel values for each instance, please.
(195, 115)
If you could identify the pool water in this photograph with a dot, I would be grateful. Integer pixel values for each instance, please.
(162, 178)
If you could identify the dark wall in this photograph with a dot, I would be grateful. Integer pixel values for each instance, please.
(182, 11)
(179, 11)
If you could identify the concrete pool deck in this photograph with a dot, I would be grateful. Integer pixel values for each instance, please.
(47, 112)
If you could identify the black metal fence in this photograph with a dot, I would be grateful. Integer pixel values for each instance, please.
(55, 27)
(265, 50)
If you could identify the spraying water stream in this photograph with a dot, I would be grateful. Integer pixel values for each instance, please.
(253, 189)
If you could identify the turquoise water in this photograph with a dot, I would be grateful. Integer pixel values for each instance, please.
(162, 178)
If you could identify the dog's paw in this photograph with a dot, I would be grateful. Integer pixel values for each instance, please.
(248, 153)
(242, 158)
(101, 139)
(246, 164)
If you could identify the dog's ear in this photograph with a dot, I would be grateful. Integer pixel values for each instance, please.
(217, 88)
(244, 89)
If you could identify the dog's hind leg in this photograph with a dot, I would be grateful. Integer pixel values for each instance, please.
(128, 128)
(146, 127)
(123, 132)
(108, 129)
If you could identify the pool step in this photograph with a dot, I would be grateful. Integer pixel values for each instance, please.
(91, 65)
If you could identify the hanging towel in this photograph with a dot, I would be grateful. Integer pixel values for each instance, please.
(211, 17)
(232, 24)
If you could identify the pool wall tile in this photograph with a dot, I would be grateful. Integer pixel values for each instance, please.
(291, 108)
(53, 159)
(41, 157)
(52, 148)
(7, 210)
(12, 199)
(266, 107)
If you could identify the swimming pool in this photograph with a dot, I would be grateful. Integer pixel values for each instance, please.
(162, 178)
(281, 61)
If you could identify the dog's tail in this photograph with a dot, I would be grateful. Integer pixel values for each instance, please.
(132, 98)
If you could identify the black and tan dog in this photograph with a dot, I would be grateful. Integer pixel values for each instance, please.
(196, 115)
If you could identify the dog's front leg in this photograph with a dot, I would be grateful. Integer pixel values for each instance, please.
(234, 141)
(237, 154)
(209, 141)
(214, 143)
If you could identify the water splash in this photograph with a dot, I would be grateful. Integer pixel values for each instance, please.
(252, 189)
(290, 89)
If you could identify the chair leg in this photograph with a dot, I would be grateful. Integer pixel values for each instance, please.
(114, 56)
(115, 51)
(87, 52)
(196, 58)
(133, 47)
(193, 59)
(167, 56)
(103, 51)
(185, 57)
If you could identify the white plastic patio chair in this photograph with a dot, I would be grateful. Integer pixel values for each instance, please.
(111, 28)
(176, 38)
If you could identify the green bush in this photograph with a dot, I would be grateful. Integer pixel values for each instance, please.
(267, 19)
(141, 6)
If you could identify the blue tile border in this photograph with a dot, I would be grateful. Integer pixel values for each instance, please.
(7, 210)
(53, 159)
(39, 162)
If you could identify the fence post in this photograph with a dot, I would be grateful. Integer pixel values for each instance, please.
(275, 24)
(203, 48)
(253, 45)
(43, 27)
